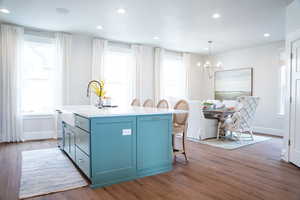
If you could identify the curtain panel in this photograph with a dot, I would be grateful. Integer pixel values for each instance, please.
(11, 42)
(138, 65)
(99, 48)
(158, 62)
(64, 48)
(187, 66)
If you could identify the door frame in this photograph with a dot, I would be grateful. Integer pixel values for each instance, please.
(292, 37)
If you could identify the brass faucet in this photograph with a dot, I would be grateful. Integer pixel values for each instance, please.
(99, 104)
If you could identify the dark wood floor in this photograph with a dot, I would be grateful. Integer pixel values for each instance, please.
(253, 172)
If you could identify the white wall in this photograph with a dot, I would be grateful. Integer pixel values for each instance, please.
(293, 17)
(196, 77)
(265, 62)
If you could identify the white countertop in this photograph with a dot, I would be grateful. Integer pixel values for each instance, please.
(90, 111)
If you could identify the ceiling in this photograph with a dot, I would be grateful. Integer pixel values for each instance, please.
(183, 25)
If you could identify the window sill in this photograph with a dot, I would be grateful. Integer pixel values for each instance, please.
(38, 115)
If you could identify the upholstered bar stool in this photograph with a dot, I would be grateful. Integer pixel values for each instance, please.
(163, 104)
(148, 103)
(180, 126)
(135, 102)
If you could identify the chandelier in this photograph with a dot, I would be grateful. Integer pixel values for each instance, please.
(208, 66)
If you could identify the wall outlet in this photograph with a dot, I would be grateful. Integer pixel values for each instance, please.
(126, 132)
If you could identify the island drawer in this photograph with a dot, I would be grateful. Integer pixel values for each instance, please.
(82, 123)
(83, 162)
(83, 140)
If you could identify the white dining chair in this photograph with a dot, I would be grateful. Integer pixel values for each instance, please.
(242, 120)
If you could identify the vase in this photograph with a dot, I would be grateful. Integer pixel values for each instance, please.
(99, 103)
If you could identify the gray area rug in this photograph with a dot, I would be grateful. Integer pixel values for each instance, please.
(233, 144)
(47, 171)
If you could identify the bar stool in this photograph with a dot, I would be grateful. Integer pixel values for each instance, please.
(135, 102)
(180, 126)
(148, 103)
(163, 104)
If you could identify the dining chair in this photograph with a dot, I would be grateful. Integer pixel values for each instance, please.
(242, 120)
(180, 126)
(135, 102)
(148, 103)
(163, 104)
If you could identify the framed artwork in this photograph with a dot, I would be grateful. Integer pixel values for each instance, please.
(230, 84)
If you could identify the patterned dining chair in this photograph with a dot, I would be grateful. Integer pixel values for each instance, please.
(135, 102)
(242, 120)
(148, 103)
(163, 104)
(180, 125)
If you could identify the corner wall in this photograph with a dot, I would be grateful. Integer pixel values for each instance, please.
(265, 61)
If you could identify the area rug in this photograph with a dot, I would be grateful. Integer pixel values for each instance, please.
(232, 144)
(47, 171)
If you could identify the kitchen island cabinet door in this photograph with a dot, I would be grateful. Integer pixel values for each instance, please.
(113, 150)
(154, 144)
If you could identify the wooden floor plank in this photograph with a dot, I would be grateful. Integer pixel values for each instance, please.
(249, 173)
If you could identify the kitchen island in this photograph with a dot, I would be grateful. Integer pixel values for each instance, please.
(113, 145)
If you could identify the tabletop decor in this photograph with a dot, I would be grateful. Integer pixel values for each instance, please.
(98, 90)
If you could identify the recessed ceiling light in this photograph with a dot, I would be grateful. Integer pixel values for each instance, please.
(267, 35)
(99, 27)
(62, 11)
(4, 10)
(156, 38)
(216, 16)
(121, 11)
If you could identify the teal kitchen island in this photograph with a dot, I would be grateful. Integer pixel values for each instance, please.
(113, 145)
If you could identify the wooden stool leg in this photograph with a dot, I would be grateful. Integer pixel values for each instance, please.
(183, 144)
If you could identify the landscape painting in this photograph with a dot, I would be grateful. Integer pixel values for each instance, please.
(230, 84)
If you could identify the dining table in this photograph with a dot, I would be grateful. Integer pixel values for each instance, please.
(221, 114)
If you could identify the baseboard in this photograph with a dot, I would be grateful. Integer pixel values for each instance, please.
(269, 131)
(38, 135)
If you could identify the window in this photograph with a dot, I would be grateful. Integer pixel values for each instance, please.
(38, 75)
(173, 78)
(283, 88)
(118, 76)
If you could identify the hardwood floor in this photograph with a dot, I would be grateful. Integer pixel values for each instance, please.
(252, 172)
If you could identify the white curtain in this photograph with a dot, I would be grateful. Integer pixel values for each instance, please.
(187, 66)
(138, 62)
(158, 61)
(99, 48)
(64, 47)
(11, 126)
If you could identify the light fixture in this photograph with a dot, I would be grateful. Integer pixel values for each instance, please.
(156, 38)
(121, 11)
(198, 64)
(208, 66)
(216, 16)
(99, 27)
(4, 10)
(267, 35)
